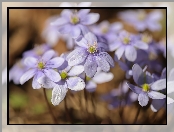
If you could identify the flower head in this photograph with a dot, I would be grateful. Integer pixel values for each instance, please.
(90, 53)
(43, 66)
(147, 87)
(73, 22)
(142, 20)
(127, 43)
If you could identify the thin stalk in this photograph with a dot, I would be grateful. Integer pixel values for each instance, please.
(49, 107)
(136, 117)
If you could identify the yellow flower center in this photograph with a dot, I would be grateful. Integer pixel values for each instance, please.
(40, 65)
(145, 87)
(105, 30)
(88, 78)
(74, 19)
(146, 38)
(126, 40)
(63, 75)
(141, 16)
(92, 48)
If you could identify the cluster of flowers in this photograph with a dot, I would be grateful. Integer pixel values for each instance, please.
(89, 62)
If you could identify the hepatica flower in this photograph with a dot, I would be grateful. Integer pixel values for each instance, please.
(43, 66)
(69, 80)
(170, 86)
(17, 71)
(146, 86)
(142, 20)
(90, 52)
(127, 43)
(107, 30)
(37, 51)
(73, 22)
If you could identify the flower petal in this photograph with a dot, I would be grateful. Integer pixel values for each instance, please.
(107, 57)
(46, 82)
(91, 18)
(59, 21)
(170, 87)
(157, 104)
(30, 62)
(91, 86)
(137, 73)
(52, 74)
(103, 77)
(119, 52)
(135, 89)
(65, 29)
(143, 99)
(58, 94)
(83, 12)
(90, 37)
(159, 85)
(75, 31)
(141, 45)
(156, 95)
(77, 56)
(169, 100)
(35, 83)
(75, 83)
(113, 46)
(102, 63)
(76, 70)
(81, 41)
(90, 66)
(55, 62)
(66, 13)
(48, 55)
(27, 75)
(130, 53)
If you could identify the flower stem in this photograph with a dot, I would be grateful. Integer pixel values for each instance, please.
(49, 107)
(136, 117)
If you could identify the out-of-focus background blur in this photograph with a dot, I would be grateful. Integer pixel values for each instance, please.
(27, 106)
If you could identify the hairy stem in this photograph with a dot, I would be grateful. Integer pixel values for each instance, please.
(49, 107)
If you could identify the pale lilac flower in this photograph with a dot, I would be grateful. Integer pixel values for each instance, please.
(107, 30)
(90, 53)
(127, 43)
(43, 66)
(73, 22)
(81, 4)
(120, 96)
(142, 20)
(149, 87)
(158, 103)
(170, 86)
(99, 78)
(17, 71)
(69, 80)
(37, 51)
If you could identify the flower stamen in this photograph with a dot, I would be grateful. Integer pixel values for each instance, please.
(92, 48)
(145, 87)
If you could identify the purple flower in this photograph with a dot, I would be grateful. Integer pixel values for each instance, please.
(141, 20)
(149, 87)
(91, 54)
(107, 30)
(69, 79)
(37, 51)
(43, 66)
(17, 71)
(158, 103)
(120, 96)
(73, 22)
(127, 43)
(99, 78)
